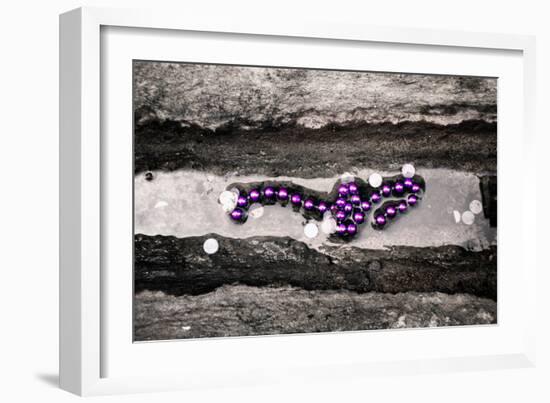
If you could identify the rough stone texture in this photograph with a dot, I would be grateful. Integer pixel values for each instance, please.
(308, 153)
(246, 311)
(179, 266)
(212, 96)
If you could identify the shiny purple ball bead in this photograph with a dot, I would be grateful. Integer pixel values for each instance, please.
(343, 189)
(359, 217)
(353, 188)
(242, 201)
(254, 195)
(375, 197)
(322, 207)
(415, 188)
(365, 205)
(391, 211)
(408, 183)
(340, 202)
(348, 207)
(309, 204)
(355, 200)
(402, 207)
(386, 190)
(341, 229)
(296, 199)
(269, 192)
(412, 200)
(380, 220)
(237, 214)
(340, 215)
(283, 194)
(399, 187)
(351, 229)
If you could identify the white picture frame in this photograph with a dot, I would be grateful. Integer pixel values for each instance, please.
(83, 173)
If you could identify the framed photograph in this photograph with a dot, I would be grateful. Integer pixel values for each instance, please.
(244, 203)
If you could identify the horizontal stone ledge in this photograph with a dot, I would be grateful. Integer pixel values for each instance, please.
(179, 266)
(310, 153)
(248, 311)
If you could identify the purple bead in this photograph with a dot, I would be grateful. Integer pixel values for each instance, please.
(412, 199)
(353, 188)
(415, 188)
(237, 214)
(365, 205)
(352, 229)
(386, 190)
(283, 194)
(242, 201)
(296, 199)
(269, 192)
(343, 189)
(309, 204)
(340, 215)
(340, 202)
(408, 183)
(348, 207)
(391, 211)
(334, 208)
(402, 207)
(254, 195)
(355, 200)
(375, 197)
(380, 220)
(322, 207)
(359, 217)
(341, 229)
(399, 187)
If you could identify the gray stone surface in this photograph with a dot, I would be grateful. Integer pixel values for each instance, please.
(250, 97)
(246, 311)
(179, 266)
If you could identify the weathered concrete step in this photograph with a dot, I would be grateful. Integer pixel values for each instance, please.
(246, 311)
(179, 266)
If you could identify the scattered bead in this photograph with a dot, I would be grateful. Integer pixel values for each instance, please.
(341, 215)
(380, 220)
(365, 205)
(355, 200)
(343, 189)
(359, 217)
(386, 190)
(353, 188)
(351, 229)
(210, 246)
(269, 192)
(296, 199)
(242, 201)
(340, 202)
(254, 195)
(399, 187)
(408, 183)
(375, 198)
(282, 194)
(348, 207)
(237, 214)
(341, 229)
(412, 200)
(391, 211)
(309, 204)
(322, 207)
(402, 206)
(415, 188)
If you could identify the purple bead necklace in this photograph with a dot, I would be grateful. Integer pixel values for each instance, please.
(350, 207)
